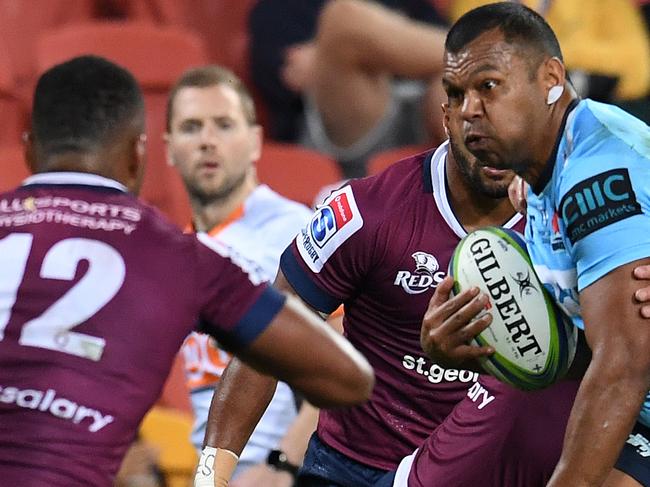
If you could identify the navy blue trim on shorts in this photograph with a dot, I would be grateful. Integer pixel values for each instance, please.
(634, 459)
(307, 289)
(259, 316)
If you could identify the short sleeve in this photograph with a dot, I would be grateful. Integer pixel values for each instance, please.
(236, 303)
(605, 209)
(327, 261)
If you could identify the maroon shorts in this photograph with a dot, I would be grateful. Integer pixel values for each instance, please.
(497, 436)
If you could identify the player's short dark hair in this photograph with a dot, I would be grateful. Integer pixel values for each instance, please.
(518, 23)
(212, 75)
(82, 104)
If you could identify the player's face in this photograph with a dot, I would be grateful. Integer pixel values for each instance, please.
(210, 141)
(481, 177)
(495, 102)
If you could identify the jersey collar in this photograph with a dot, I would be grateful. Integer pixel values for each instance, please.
(547, 172)
(233, 217)
(73, 179)
(437, 180)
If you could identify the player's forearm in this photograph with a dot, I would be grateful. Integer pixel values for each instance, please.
(603, 414)
(239, 402)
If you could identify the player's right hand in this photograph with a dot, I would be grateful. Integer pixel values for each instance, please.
(451, 322)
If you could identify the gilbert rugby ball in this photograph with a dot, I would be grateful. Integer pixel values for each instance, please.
(534, 343)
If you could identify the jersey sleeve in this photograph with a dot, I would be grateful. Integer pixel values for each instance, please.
(236, 302)
(328, 259)
(605, 209)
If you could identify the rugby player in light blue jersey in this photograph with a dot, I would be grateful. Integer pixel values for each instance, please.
(588, 219)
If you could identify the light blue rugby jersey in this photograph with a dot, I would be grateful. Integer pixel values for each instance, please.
(593, 214)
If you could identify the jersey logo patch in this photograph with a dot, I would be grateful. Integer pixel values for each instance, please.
(330, 218)
(598, 202)
(336, 220)
(427, 274)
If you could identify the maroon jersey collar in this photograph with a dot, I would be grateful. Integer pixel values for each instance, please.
(73, 179)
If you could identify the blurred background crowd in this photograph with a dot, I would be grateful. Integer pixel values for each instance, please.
(337, 97)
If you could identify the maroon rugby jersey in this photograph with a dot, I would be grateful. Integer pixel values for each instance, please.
(381, 245)
(97, 292)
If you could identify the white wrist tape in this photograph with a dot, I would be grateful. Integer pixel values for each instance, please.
(215, 467)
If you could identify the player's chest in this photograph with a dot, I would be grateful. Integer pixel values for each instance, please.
(414, 263)
(551, 255)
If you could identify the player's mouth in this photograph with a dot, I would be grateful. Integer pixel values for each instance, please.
(208, 166)
(476, 142)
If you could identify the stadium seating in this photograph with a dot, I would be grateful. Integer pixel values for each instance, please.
(21, 22)
(169, 430)
(12, 108)
(13, 168)
(156, 56)
(296, 172)
(384, 159)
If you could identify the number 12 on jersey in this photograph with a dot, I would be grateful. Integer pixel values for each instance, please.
(53, 328)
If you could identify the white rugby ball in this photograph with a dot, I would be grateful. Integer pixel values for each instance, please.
(534, 342)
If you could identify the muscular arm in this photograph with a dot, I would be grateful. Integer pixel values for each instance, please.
(616, 382)
(241, 397)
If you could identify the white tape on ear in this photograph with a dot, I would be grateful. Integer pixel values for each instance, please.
(554, 94)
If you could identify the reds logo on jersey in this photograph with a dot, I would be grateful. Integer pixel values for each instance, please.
(426, 276)
(336, 220)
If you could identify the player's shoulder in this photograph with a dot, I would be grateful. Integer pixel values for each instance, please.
(266, 206)
(602, 141)
(394, 187)
(604, 130)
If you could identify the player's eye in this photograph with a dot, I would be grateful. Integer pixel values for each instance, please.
(489, 84)
(454, 96)
(190, 126)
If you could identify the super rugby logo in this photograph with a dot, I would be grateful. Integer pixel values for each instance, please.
(334, 222)
(426, 276)
(330, 218)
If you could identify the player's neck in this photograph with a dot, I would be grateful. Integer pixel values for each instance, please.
(473, 209)
(206, 216)
(545, 143)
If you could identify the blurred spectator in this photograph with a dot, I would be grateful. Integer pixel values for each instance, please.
(280, 50)
(604, 42)
(214, 142)
(354, 105)
(139, 467)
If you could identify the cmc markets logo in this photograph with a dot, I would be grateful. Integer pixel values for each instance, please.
(598, 202)
(330, 218)
(426, 275)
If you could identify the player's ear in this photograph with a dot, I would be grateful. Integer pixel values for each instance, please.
(554, 79)
(445, 118)
(168, 152)
(30, 156)
(137, 163)
(257, 138)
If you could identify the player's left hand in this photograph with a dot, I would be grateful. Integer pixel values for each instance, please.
(643, 295)
(450, 323)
